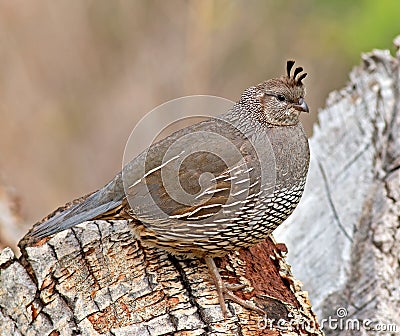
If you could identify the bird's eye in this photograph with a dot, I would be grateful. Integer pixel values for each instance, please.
(281, 97)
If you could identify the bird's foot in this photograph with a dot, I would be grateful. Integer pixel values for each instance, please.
(226, 290)
(234, 287)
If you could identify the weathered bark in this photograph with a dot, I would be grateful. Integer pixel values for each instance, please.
(98, 279)
(344, 239)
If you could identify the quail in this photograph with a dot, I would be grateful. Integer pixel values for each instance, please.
(217, 186)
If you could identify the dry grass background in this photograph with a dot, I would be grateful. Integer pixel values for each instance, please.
(76, 76)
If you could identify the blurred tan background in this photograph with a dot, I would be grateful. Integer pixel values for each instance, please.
(75, 77)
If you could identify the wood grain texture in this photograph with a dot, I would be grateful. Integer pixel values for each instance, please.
(344, 237)
(97, 279)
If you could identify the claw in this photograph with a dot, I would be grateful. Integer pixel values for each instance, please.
(234, 287)
(226, 290)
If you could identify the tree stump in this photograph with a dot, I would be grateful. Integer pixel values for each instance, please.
(344, 238)
(97, 279)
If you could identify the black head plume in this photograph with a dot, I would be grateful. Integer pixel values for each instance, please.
(289, 66)
(297, 71)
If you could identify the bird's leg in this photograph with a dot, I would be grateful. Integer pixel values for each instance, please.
(212, 268)
(226, 290)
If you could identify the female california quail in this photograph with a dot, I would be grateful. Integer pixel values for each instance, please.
(216, 186)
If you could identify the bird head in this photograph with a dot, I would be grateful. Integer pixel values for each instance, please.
(282, 99)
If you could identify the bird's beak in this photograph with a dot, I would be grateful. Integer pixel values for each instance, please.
(301, 106)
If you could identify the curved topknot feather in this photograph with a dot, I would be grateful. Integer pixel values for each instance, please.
(297, 71)
(301, 78)
(289, 66)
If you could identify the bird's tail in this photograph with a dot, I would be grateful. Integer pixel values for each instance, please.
(94, 205)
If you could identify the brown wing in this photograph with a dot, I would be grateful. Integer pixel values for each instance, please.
(195, 177)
